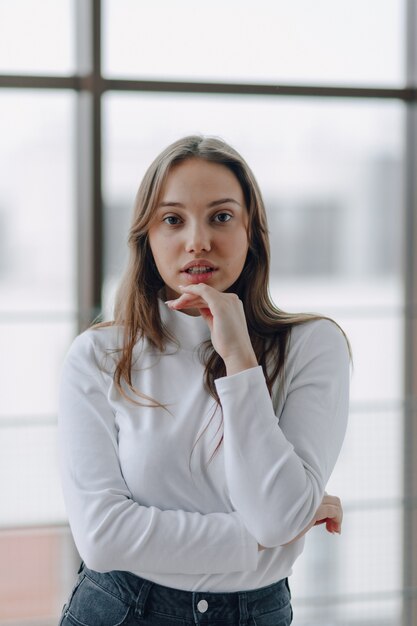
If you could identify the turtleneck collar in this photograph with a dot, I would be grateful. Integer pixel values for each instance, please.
(190, 330)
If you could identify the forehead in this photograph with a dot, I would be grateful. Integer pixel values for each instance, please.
(198, 176)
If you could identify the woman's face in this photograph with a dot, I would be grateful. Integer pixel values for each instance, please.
(199, 230)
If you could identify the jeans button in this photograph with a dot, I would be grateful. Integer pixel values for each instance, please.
(202, 606)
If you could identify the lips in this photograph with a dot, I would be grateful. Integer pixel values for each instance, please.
(199, 270)
(200, 266)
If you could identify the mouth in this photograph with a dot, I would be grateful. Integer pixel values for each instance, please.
(199, 269)
(195, 274)
(198, 266)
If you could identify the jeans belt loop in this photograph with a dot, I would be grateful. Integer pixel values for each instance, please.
(142, 597)
(243, 609)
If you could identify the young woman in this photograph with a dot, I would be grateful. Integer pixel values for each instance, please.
(198, 429)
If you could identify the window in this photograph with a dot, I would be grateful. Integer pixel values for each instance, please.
(37, 38)
(348, 42)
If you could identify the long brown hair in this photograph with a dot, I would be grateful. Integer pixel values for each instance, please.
(136, 305)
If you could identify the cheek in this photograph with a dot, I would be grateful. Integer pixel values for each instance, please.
(161, 258)
(158, 246)
(236, 240)
(242, 245)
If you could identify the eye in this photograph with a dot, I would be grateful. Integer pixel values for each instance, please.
(171, 220)
(222, 217)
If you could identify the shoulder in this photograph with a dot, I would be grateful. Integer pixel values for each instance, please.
(318, 339)
(321, 329)
(91, 348)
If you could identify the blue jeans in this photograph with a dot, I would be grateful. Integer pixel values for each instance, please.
(117, 598)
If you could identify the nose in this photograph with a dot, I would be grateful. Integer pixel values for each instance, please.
(197, 238)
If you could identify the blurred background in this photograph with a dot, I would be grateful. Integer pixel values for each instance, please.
(320, 98)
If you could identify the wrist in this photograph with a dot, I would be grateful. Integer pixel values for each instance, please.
(240, 362)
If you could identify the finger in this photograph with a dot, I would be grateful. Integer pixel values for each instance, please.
(186, 301)
(191, 302)
(333, 527)
(329, 511)
(198, 288)
(210, 295)
(331, 500)
(206, 313)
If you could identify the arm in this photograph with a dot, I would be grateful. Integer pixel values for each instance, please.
(110, 529)
(276, 470)
(330, 512)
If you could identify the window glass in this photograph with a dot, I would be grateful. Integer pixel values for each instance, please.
(35, 346)
(36, 37)
(37, 254)
(348, 41)
(331, 176)
(37, 294)
(29, 476)
(371, 457)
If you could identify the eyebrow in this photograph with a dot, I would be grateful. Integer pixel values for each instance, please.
(209, 206)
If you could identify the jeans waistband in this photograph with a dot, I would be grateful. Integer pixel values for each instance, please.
(188, 605)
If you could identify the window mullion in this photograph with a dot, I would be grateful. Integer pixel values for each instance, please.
(410, 274)
(88, 161)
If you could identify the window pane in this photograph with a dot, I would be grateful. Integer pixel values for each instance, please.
(331, 175)
(349, 41)
(37, 221)
(36, 37)
(37, 289)
(35, 351)
(37, 248)
(369, 469)
(29, 476)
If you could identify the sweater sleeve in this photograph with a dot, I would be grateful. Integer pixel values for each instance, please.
(110, 529)
(277, 469)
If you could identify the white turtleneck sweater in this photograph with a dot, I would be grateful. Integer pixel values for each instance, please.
(135, 499)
